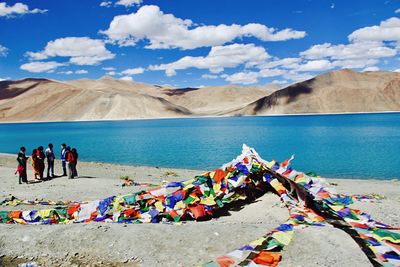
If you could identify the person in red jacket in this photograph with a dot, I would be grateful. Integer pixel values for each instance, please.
(74, 162)
(40, 157)
(70, 159)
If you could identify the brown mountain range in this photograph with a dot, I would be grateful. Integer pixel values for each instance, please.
(111, 99)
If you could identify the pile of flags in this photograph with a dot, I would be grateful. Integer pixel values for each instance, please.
(309, 199)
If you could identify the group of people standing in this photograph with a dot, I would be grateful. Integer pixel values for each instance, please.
(69, 160)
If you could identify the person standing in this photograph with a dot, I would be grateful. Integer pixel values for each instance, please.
(50, 161)
(70, 162)
(35, 164)
(75, 162)
(41, 157)
(21, 169)
(64, 158)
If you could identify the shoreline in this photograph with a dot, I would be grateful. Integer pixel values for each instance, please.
(126, 165)
(203, 117)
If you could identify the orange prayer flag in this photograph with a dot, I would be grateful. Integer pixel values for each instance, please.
(219, 175)
(225, 261)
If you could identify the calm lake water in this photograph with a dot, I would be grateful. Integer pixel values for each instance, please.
(345, 146)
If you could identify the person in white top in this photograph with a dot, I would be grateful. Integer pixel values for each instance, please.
(50, 160)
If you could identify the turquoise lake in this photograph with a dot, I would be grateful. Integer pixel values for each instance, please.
(344, 146)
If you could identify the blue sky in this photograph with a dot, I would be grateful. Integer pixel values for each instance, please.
(197, 43)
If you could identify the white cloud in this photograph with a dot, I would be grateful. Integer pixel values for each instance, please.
(251, 77)
(127, 78)
(69, 72)
(243, 78)
(373, 68)
(316, 65)
(366, 47)
(355, 63)
(332, 5)
(108, 68)
(129, 3)
(287, 63)
(80, 50)
(133, 71)
(297, 77)
(81, 72)
(106, 3)
(397, 11)
(41, 66)
(388, 30)
(209, 76)
(3, 51)
(359, 50)
(271, 72)
(111, 73)
(280, 82)
(164, 31)
(219, 57)
(17, 9)
(4, 79)
(396, 70)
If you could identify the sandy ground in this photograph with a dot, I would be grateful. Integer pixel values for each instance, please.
(107, 244)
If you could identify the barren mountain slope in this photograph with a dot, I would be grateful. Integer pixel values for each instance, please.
(45, 100)
(334, 92)
(217, 100)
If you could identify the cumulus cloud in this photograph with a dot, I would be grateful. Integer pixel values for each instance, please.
(280, 82)
(3, 51)
(164, 31)
(373, 68)
(366, 47)
(106, 4)
(111, 73)
(359, 50)
(251, 77)
(397, 11)
(133, 71)
(316, 65)
(125, 3)
(81, 72)
(220, 57)
(387, 30)
(17, 9)
(243, 78)
(69, 72)
(127, 78)
(128, 3)
(80, 50)
(40, 66)
(297, 77)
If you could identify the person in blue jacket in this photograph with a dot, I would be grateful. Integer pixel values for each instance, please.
(64, 158)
